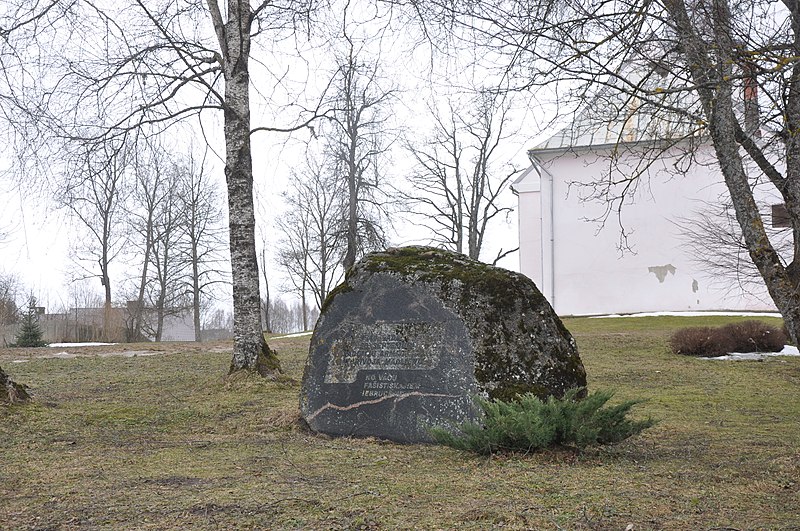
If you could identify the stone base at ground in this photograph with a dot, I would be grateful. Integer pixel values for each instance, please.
(415, 333)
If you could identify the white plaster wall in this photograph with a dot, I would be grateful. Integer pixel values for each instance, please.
(530, 236)
(592, 276)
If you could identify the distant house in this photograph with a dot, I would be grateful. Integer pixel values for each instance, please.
(584, 266)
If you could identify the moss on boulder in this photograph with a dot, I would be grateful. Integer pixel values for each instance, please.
(520, 344)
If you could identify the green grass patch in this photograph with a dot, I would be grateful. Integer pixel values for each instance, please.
(168, 442)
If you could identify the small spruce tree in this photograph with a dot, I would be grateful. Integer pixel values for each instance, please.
(30, 333)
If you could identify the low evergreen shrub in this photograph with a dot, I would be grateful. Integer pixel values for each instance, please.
(529, 423)
(746, 336)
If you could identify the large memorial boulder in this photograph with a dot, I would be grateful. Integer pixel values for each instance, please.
(413, 334)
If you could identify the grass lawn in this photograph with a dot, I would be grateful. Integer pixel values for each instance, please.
(167, 442)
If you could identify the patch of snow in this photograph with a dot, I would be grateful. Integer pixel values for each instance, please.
(62, 355)
(688, 314)
(298, 334)
(788, 350)
(218, 350)
(71, 355)
(65, 345)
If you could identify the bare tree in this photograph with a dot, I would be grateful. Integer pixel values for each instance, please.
(167, 296)
(266, 305)
(335, 204)
(119, 67)
(250, 348)
(289, 318)
(94, 196)
(149, 193)
(203, 235)
(22, 24)
(311, 246)
(294, 253)
(177, 227)
(356, 145)
(17, 23)
(9, 291)
(266, 298)
(456, 188)
(219, 320)
(281, 316)
(713, 238)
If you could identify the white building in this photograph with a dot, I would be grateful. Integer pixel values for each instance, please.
(578, 263)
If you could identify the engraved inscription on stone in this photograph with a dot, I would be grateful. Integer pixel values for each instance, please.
(385, 346)
(386, 383)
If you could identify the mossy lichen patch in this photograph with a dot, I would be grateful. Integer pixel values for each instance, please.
(520, 343)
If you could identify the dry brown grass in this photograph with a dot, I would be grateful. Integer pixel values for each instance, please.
(167, 442)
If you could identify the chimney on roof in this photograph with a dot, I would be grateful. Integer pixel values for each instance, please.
(752, 116)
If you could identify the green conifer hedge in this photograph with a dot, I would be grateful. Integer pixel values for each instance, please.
(528, 424)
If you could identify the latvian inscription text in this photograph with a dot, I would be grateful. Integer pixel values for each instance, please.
(385, 346)
(385, 384)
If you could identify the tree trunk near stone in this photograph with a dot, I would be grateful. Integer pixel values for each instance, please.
(250, 349)
(10, 391)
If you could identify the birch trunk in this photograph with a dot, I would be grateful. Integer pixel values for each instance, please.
(250, 349)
